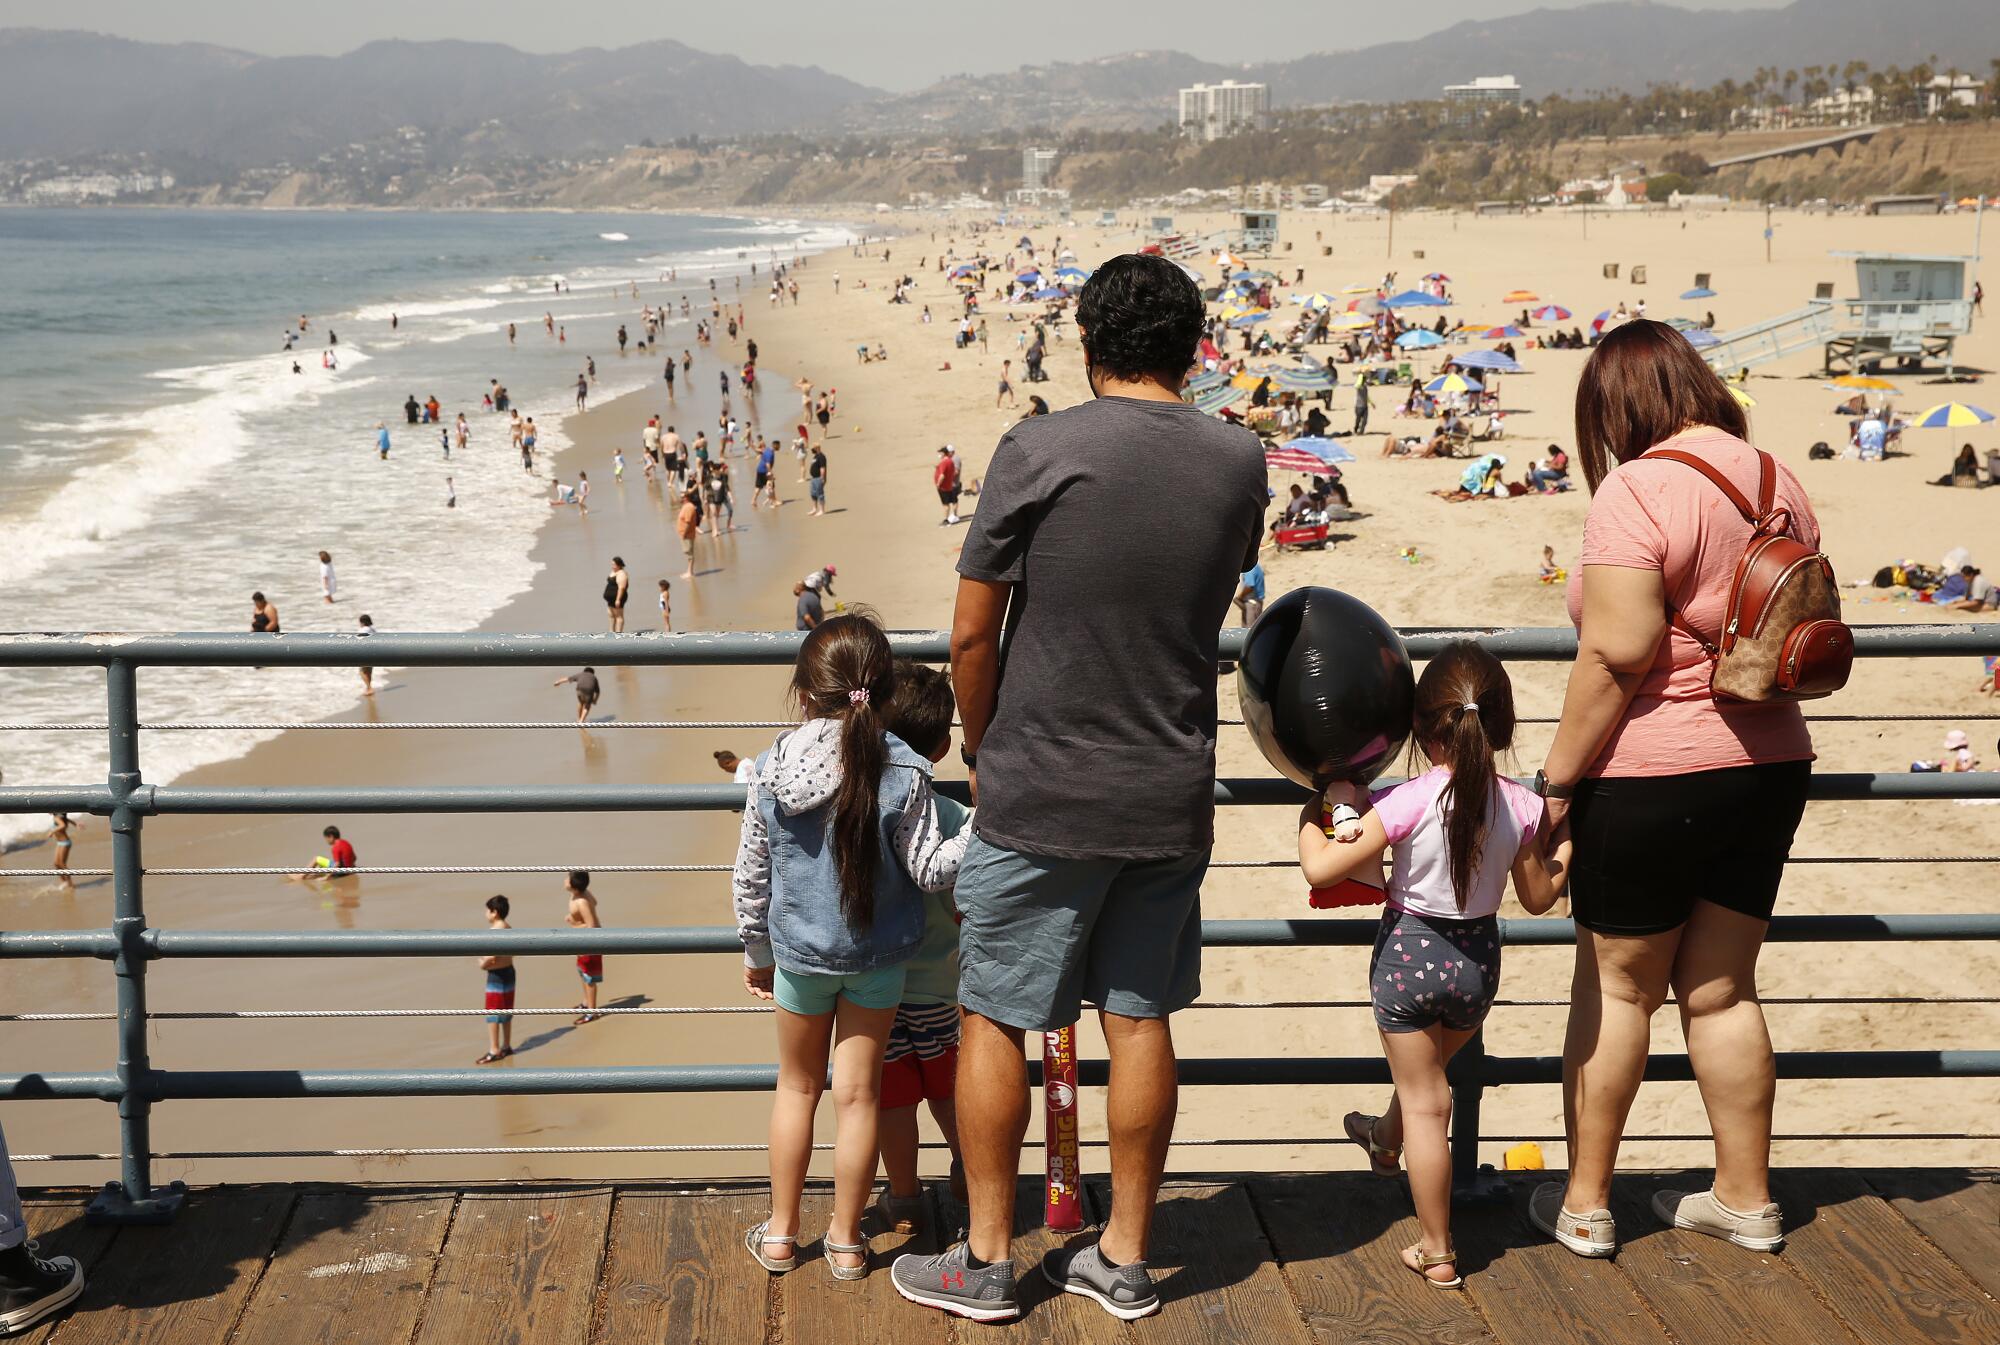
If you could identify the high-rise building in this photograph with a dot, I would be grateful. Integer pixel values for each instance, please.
(1482, 95)
(1216, 111)
(1037, 167)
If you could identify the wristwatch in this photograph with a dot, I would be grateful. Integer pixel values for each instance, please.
(969, 757)
(1549, 789)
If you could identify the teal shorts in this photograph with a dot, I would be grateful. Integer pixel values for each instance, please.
(809, 994)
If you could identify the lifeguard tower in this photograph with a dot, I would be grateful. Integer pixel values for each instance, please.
(1908, 307)
(1257, 231)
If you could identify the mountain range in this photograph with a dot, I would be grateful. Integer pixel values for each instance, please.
(74, 93)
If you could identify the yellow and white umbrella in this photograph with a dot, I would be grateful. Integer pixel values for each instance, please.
(1742, 398)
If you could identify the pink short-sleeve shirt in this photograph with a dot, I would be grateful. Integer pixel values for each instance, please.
(1420, 855)
(1655, 514)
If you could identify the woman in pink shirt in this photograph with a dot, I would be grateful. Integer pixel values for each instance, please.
(1682, 807)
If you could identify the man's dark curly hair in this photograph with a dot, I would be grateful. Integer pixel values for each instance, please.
(1140, 315)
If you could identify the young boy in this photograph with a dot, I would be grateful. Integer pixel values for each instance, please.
(922, 1054)
(499, 969)
(590, 966)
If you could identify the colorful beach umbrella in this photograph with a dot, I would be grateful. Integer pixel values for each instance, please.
(1208, 403)
(1422, 338)
(1864, 382)
(1415, 299)
(1350, 321)
(1305, 378)
(1742, 398)
(1227, 258)
(1248, 319)
(1292, 460)
(1519, 297)
(1488, 359)
(1453, 383)
(1698, 292)
(1552, 313)
(1202, 382)
(1437, 275)
(1951, 416)
(1499, 333)
(1318, 299)
(1325, 449)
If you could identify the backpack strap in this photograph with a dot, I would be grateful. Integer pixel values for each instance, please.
(1760, 518)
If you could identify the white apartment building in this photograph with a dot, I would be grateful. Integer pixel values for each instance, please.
(1038, 166)
(1483, 94)
(1218, 111)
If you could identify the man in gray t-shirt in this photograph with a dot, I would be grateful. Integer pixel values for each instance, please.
(1093, 585)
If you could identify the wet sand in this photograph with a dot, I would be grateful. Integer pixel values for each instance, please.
(1476, 566)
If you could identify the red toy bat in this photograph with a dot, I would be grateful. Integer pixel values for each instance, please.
(1063, 1208)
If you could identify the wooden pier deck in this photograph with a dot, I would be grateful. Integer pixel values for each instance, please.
(1874, 1258)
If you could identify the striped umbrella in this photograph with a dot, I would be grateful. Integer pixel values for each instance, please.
(1552, 313)
(1205, 380)
(1213, 400)
(1306, 378)
(1951, 416)
(1499, 333)
(1325, 449)
(1293, 460)
(1454, 383)
(1350, 321)
(1318, 299)
(1520, 297)
(1247, 378)
(1422, 338)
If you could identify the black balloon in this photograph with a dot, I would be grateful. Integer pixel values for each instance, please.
(1326, 688)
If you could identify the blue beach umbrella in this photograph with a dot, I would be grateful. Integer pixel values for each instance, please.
(1420, 339)
(1699, 339)
(1488, 359)
(1952, 415)
(1248, 319)
(1454, 383)
(1326, 450)
(1050, 292)
(1029, 277)
(1698, 292)
(1415, 299)
(1305, 378)
(1205, 380)
(1552, 313)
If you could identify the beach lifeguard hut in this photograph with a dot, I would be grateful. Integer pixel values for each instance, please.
(1907, 306)
(1257, 230)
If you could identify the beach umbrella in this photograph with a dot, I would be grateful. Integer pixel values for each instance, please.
(1422, 338)
(1698, 292)
(1499, 333)
(1350, 321)
(1028, 277)
(1317, 299)
(1248, 319)
(1025, 242)
(1292, 460)
(1072, 273)
(1552, 313)
(1050, 292)
(1208, 403)
(1700, 338)
(1202, 382)
(1259, 275)
(1454, 383)
(1248, 378)
(1357, 289)
(1325, 449)
(1415, 299)
(1742, 398)
(1864, 382)
(1226, 258)
(1488, 359)
(1437, 275)
(1951, 416)
(1306, 378)
(1597, 323)
(1520, 297)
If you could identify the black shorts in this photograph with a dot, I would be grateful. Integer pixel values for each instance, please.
(1649, 847)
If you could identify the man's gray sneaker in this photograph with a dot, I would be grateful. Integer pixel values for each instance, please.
(1126, 1292)
(948, 1281)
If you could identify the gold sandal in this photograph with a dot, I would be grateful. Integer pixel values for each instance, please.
(1426, 1263)
(1360, 1128)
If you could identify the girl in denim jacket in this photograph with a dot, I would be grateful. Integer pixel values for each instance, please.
(840, 841)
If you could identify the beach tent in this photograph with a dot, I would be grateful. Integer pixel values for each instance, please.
(1025, 242)
(1226, 259)
(1326, 450)
(1422, 338)
(1453, 383)
(1698, 292)
(1552, 313)
(1951, 416)
(1415, 299)
(1488, 359)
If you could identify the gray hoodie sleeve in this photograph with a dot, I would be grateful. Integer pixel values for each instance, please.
(930, 860)
(750, 885)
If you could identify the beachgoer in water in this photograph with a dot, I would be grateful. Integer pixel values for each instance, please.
(263, 615)
(326, 578)
(382, 440)
(666, 607)
(367, 627)
(586, 691)
(616, 587)
(583, 492)
(450, 494)
(59, 833)
(582, 391)
(510, 333)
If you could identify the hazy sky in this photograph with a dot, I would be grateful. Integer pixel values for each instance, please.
(895, 44)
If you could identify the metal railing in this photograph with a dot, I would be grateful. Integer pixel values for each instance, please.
(131, 944)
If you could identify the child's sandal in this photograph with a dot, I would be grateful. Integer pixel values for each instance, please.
(1360, 1128)
(754, 1240)
(840, 1272)
(1425, 1262)
(490, 1058)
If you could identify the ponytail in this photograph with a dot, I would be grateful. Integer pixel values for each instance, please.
(1465, 715)
(846, 672)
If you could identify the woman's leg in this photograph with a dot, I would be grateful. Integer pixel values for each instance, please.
(1715, 980)
(860, 1037)
(1423, 1099)
(802, 1049)
(1620, 981)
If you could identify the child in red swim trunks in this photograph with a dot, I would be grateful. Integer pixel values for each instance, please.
(590, 966)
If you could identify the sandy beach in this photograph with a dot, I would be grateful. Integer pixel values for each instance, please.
(1474, 564)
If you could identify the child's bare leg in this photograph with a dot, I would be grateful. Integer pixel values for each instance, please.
(1389, 1126)
(860, 1037)
(944, 1111)
(1423, 1098)
(896, 1130)
(493, 1039)
(802, 1050)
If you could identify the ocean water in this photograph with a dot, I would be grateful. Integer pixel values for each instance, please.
(160, 459)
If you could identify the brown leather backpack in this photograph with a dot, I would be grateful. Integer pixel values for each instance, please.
(1782, 637)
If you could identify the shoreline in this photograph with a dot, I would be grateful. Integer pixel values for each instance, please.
(1476, 564)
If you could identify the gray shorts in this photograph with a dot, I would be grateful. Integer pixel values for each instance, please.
(1042, 935)
(1427, 970)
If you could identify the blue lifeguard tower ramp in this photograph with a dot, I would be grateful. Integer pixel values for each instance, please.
(1908, 307)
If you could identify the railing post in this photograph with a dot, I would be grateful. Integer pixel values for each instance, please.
(133, 1199)
(1470, 1184)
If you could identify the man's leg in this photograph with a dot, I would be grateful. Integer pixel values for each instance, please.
(13, 1224)
(993, 1083)
(1144, 1097)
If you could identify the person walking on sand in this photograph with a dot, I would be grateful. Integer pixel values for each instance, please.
(666, 607)
(326, 578)
(1360, 406)
(816, 486)
(687, 524)
(1085, 885)
(1006, 384)
(367, 627)
(582, 914)
(587, 689)
(583, 499)
(617, 586)
(945, 477)
(499, 969)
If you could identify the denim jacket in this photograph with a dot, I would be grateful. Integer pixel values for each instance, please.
(786, 885)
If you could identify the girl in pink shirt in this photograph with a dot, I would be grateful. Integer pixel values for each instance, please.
(1454, 834)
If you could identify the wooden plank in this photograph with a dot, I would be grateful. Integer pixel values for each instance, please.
(678, 1271)
(186, 1282)
(1530, 1289)
(817, 1309)
(353, 1268)
(1868, 1262)
(1217, 1276)
(1957, 1211)
(1048, 1317)
(58, 1225)
(1708, 1290)
(1346, 1269)
(519, 1268)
